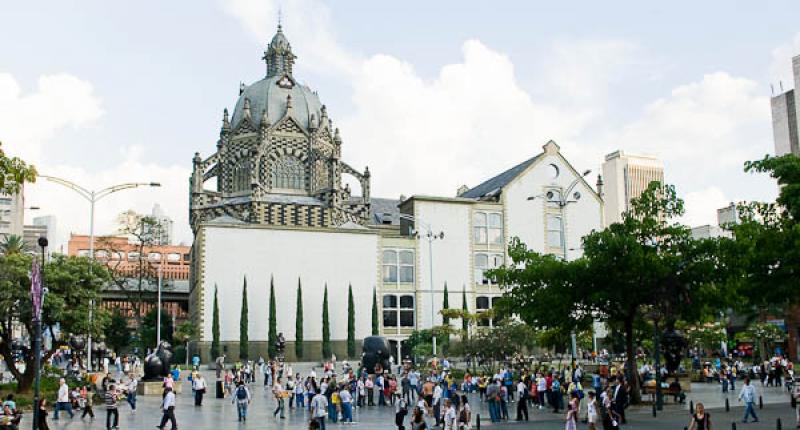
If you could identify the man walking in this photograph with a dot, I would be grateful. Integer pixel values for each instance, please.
(168, 406)
(319, 409)
(199, 388)
(242, 400)
(62, 401)
(748, 395)
(111, 407)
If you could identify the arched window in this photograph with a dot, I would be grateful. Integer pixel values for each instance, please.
(288, 172)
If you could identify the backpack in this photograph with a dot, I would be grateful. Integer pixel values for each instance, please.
(241, 393)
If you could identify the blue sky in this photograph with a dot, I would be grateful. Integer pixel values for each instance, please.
(103, 92)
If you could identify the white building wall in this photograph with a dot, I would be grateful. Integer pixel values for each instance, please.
(451, 256)
(316, 257)
(526, 218)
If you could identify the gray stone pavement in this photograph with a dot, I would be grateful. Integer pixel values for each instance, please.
(221, 413)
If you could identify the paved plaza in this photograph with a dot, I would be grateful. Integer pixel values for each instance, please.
(221, 413)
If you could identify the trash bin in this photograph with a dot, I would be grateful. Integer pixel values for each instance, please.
(220, 391)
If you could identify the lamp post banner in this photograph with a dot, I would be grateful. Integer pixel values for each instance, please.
(36, 290)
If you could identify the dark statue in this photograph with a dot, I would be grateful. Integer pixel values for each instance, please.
(375, 350)
(673, 344)
(157, 364)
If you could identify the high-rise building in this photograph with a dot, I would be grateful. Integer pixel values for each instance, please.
(165, 224)
(625, 177)
(785, 121)
(12, 214)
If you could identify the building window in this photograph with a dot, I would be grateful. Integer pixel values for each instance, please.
(555, 231)
(483, 304)
(484, 262)
(154, 256)
(83, 253)
(398, 266)
(173, 257)
(133, 256)
(288, 173)
(487, 228)
(398, 310)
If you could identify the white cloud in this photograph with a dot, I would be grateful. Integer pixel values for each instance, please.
(27, 121)
(29, 125)
(781, 68)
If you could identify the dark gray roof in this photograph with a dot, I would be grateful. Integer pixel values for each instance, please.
(382, 211)
(495, 184)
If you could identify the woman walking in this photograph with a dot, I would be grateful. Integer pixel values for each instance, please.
(701, 420)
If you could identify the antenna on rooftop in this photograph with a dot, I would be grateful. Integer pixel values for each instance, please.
(772, 89)
(781, 84)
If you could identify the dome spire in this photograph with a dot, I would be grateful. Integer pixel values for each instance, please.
(279, 56)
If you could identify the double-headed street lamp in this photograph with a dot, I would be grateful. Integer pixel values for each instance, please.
(93, 197)
(430, 236)
(563, 200)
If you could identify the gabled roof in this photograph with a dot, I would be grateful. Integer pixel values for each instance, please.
(495, 184)
(384, 211)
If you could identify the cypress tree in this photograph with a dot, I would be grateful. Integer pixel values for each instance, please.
(375, 330)
(215, 328)
(244, 338)
(298, 323)
(326, 329)
(351, 323)
(445, 318)
(272, 334)
(464, 322)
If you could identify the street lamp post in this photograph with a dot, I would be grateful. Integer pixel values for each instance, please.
(93, 196)
(430, 236)
(158, 310)
(563, 200)
(37, 340)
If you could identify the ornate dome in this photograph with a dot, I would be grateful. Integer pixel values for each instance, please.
(271, 93)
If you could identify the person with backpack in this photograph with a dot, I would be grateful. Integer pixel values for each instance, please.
(242, 399)
(319, 409)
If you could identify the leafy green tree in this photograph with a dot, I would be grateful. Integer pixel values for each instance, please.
(215, 349)
(147, 330)
(71, 288)
(298, 323)
(118, 334)
(644, 267)
(764, 336)
(272, 333)
(14, 173)
(764, 258)
(351, 323)
(326, 328)
(375, 327)
(12, 244)
(244, 338)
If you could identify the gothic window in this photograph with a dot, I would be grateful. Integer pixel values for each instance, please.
(241, 176)
(288, 173)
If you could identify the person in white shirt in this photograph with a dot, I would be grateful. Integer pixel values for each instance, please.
(199, 387)
(131, 392)
(168, 406)
(437, 403)
(319, 409)
(522, 400)
(449, 415)
(62, 401)
(346, 401)
(748, 395)
(591, 411)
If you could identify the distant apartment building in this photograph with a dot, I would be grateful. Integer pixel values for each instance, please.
(785, 120)
(126, 260)
(625, 177)
(12, 212)
(31, 235)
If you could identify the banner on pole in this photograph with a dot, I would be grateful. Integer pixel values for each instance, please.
(36, 290)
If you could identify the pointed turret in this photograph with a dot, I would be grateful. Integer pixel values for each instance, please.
(279, 56)
(226, 123)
